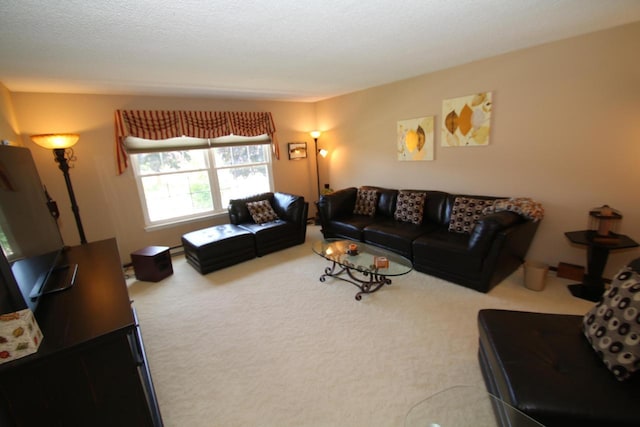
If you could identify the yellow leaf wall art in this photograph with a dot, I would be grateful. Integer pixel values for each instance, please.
(415, 139)
(466, 121)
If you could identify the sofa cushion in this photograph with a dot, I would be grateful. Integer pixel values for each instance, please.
(289, 207)
(366, 201)
(410, 207)
(524, 206)
(261, 211)
(395, 235)
(238, 212)
(466, 212)
(347, 227)
(272, 236)
(387, 198)
(612, 326)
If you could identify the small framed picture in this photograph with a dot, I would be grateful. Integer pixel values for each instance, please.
(297, 150)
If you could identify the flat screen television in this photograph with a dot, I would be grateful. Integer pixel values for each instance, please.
(31, 263)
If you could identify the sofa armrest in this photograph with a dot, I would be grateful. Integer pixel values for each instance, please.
(339, 203)
(485, 230)
(289, 207)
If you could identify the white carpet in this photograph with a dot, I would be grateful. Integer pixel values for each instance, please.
(265, 343)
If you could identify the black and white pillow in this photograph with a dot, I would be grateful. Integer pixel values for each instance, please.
(613, 325)
(466, 212)
(262, 211)
(366, 201)
(410, 207)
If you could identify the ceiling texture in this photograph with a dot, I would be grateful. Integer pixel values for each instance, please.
(299, 50)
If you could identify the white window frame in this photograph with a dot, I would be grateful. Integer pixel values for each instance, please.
(212, 171)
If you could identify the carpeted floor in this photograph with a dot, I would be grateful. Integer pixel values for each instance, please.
(265, 343)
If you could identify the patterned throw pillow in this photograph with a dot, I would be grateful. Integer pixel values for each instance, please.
(366, 201)
(524, 206)
(613, 325)
(261, 211)
(410, 207)
(466, 212)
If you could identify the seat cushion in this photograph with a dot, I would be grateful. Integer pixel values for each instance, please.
(395, 235)
(273, 236)
(350, 227)
(542, 365)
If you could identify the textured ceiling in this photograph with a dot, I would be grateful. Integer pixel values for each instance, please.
(278, 49)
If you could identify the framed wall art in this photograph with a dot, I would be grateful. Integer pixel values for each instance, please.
(415, 139)
(297, 150)
(466, 121)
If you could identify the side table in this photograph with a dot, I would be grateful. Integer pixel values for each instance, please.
(598, 249)
(152, 264)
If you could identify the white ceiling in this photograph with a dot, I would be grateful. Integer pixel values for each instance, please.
(271, 49)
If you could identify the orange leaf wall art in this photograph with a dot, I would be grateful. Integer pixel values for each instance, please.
(466, 120)
(415, 139)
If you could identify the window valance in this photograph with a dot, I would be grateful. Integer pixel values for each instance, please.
(163, 125)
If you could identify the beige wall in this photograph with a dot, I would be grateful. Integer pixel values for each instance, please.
(8, 124)
(109, 204)
(565, 131)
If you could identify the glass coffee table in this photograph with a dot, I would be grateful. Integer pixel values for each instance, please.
(368, 268)
(466, 406)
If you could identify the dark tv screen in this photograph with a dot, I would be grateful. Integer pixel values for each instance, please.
(29, 235)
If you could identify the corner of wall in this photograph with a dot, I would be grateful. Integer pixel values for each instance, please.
(8, 124)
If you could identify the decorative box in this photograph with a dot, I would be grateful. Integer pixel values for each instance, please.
(20, 335)
(381, 262)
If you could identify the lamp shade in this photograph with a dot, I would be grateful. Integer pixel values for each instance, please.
(323, 152)
(315, 134)
(56, 140)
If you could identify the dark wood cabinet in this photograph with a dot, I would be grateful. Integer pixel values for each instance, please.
(91, 368)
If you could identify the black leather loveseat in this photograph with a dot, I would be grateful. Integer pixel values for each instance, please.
(544, 364)
(474, 253)
(289, 229)
(283, 225)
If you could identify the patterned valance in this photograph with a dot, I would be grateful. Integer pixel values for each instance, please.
(160, 125)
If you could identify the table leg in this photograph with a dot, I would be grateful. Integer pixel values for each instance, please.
(592, 287)
(367, 285)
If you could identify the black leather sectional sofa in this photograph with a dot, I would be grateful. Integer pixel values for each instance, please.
(479, 259)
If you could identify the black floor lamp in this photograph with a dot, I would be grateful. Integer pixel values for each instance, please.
(63, 153)
(322, 152)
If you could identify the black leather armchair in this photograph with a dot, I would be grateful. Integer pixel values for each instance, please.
(289, 230)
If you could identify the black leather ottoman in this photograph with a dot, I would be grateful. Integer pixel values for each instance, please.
(217, 247)
(543, 365)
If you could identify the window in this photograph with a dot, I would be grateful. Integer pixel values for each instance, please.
(184, 184)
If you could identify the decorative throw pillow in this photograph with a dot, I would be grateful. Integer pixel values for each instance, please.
(524, 206)
(613, 325)
(466, 212)
(366, 201)
(410, 207)
(261, 211)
